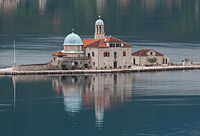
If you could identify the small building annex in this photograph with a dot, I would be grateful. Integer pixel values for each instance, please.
(149, 57)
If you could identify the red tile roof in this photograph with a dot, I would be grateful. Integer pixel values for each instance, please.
(97, 43)
(143, 52)
(102, 42)
(58, 53)
(94, 43)
(88, 41)
(114, 39)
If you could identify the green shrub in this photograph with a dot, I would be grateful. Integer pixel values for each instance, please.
(152, 60)
(63, 66)
(86, 65)
(73, 67)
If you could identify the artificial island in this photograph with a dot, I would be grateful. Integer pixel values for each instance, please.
(100, 54)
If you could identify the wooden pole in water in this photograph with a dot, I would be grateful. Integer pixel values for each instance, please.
(13, 78)
(14, 92)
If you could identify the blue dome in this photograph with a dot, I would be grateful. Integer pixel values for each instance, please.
(73, 39)
(99, 22)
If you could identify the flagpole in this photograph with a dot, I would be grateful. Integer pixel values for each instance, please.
(14, 57)
(14, 93)
(14, 53)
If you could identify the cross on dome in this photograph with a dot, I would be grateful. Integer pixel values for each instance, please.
(72, 30)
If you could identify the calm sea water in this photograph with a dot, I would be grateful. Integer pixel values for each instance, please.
(161, 103)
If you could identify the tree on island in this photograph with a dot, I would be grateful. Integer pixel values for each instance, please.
(63, 66)
(186, 60)
(152, 60)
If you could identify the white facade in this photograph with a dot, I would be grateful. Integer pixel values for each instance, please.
(115, 59)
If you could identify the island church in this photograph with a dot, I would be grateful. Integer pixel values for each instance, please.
(99, 53)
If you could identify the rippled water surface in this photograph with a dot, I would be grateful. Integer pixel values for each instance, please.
(161, 103)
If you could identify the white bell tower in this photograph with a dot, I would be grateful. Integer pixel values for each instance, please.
(99, 29)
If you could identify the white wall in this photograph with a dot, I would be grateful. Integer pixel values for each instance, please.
(102, 62)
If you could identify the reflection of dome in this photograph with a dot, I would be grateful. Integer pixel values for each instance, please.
(73, 39)
(99, 118)
(99, 22)
(72, 101)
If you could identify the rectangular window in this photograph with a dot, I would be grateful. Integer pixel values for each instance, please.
(106, 54)
(124, 53)
(112, 45)
(88, 54)
(118, 45)
(93, 63)
(92, 54)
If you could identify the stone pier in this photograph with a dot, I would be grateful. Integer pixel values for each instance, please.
(10, 71)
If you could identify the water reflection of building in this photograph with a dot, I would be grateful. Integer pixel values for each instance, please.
(42, 6)
(9, 5)
(72, 88)
(174, 3)
(197, 9)
(100, 92)
(124, 4)
(100, 6)
(109, 90)
(151, 5)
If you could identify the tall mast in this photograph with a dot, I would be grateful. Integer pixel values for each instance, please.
(14, 53)
(14, 92)
(13, 78)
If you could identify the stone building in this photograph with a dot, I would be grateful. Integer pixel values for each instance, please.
(109, 52)
(73, 55)
(149, 57)
(99, 53)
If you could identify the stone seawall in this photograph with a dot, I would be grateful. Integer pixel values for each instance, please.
(9, 71)
(35, 67)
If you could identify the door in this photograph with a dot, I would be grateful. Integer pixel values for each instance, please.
(115, 64)
(134, 61)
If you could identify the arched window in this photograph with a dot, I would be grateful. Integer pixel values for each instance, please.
(100, 29)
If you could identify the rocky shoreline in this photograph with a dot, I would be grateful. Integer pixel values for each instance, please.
(9, 71)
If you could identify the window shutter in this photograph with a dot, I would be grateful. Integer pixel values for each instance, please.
(108, 54)
(104, 54)
(124, 53)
